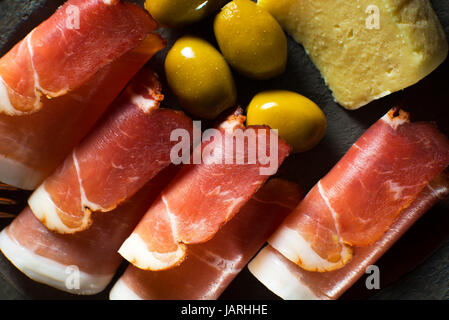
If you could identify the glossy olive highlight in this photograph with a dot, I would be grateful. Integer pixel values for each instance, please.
(200, 77)
(299, 120)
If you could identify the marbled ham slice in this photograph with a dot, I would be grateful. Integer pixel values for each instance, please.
(289, 281)
(211, 266)
(63, 52)
(56, 82)
(362, 196)
(202, 197)
(127, 148)
(45, 256)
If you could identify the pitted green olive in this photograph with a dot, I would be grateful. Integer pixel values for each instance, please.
(251, 39)
(200, 77)
(176, 13)
(299, 121)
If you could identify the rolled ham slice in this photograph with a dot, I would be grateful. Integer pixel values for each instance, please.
(289, 281)
(379, 177)
(203, 197)
(211, 266)
(57, 82)
(129, 146)
(385, 182)
(83, 263)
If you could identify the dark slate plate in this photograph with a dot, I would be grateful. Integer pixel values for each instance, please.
(417, 267)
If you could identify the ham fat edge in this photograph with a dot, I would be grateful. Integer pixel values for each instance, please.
(128, 147)
(200, 200)
(212, 265)
(360, 208)
(57, 82)
(49, 258)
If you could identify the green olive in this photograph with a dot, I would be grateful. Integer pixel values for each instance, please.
(299, 121)
(251, 40)
(176, 13)
(200, 77)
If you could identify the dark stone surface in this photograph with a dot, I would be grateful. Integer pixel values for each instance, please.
(417, 267)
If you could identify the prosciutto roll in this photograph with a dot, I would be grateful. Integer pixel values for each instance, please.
(203, 197)
(126, 149)
(369, 190)
(57, 82)
(211, 266)
(83, 263)
(289, 281)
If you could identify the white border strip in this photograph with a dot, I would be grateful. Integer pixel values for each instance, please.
(47, 271)
(294, 247)
(273, 273)
(46, 211)
(135, 250)
(19, 175)
(120, 291)
(5, 103)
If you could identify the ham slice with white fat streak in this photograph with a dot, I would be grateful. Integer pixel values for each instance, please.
(202, 197)
(211, 266)
(50, 258)
(289, 281)
(129, 146)
(57, 82)
(380, 176)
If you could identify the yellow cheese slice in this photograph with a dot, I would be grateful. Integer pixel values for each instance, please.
(365, 49)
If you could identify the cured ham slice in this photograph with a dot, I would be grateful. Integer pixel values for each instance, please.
(380, 176)
(126, 149)
(203, 197)
(57, 82)
(289, 281)
(57, 260)
(211, 266)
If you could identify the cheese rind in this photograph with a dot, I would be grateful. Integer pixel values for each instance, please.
(359, 59)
